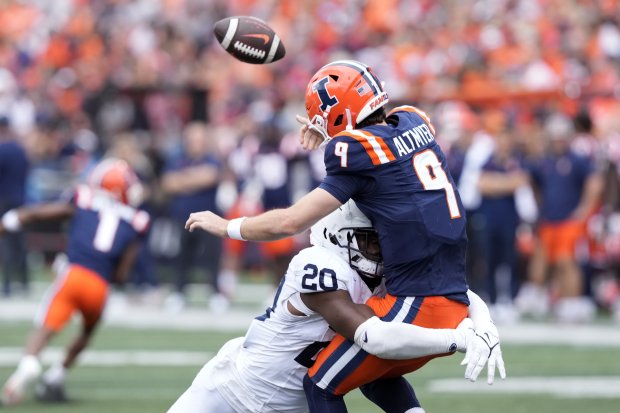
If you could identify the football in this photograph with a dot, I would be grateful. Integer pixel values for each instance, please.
(249, 39)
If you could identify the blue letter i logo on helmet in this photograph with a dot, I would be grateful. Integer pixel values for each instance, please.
(326, 99)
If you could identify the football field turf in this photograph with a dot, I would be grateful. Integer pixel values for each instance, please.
(139, 371)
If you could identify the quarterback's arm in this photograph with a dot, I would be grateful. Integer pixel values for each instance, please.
(389, 340)
(270, 225)
(14, 219)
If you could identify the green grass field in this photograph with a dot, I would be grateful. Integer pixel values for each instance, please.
(143, 388)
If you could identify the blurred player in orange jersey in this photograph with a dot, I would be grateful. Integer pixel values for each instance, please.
(104, 236)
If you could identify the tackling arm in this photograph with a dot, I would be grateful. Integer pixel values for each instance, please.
(389, 340)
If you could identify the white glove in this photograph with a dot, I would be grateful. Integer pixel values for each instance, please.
(484, 348)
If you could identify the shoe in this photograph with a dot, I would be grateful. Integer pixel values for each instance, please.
(15, 388)
(12, 395)
(50, 393)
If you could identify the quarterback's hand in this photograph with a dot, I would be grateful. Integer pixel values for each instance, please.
(484, 349)
(309, 137)
(207, 221)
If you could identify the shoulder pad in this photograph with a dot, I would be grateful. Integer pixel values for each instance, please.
(413, 109)
(316, 270)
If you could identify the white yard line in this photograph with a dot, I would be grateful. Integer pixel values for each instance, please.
(121, 313)
(9, 356)
(595, 335)
(562, 387)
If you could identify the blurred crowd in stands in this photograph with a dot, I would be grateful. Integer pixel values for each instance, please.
(524, 94)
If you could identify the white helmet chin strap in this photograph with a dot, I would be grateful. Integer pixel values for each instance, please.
(359, 262)
(349, 120)
(338, 232)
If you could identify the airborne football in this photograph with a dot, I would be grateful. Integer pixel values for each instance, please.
(249, 39)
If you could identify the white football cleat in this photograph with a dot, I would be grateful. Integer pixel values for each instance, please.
(12, 394)
(27, 371)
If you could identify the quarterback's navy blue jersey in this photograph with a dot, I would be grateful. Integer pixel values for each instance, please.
(101, 230)
(398, 176)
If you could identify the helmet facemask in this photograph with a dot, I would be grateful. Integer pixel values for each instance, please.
(364, 251)
(349, 233)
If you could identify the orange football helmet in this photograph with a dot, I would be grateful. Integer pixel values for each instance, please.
(341, 95)
(117, 178)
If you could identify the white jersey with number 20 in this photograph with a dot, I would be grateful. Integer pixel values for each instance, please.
(263, 371)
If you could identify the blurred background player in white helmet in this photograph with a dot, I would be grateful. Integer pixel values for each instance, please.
(105, 232)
